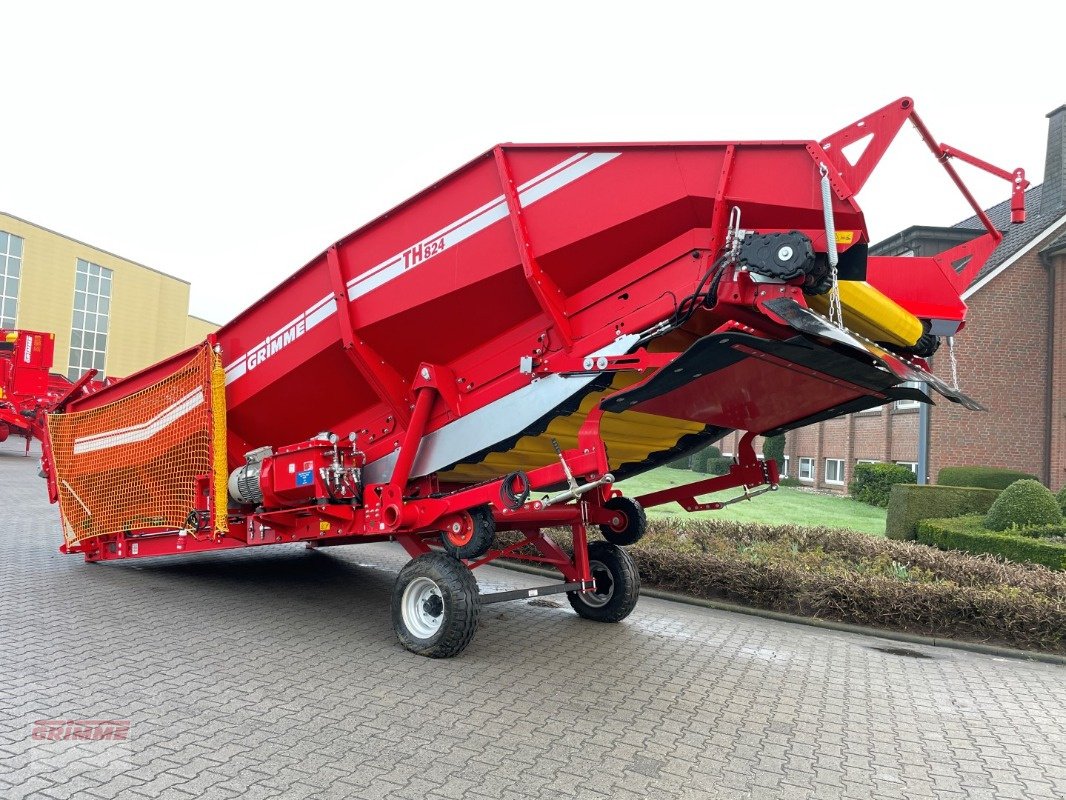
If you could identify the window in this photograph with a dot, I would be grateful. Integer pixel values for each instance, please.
(10, 272)
(874, 410)
(834, 470)
(806, 470)
(784, 467)
(88, 329)
(911, 465)
(909, 403)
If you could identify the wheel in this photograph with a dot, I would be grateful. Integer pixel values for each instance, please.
(617, 585)
(472, 535)
(435, 606)
(628, 524)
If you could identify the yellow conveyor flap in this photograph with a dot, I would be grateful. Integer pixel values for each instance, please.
(872, 314)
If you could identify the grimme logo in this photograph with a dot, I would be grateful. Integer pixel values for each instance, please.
(83, 730)
(275, 343)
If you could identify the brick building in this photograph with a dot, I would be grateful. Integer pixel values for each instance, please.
(1011, 356)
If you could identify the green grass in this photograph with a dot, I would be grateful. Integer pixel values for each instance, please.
(786, 506)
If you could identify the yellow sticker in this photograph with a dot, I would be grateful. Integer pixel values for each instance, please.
(845, 237)
(323, 525)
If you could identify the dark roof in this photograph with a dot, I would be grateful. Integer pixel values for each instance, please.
(1056, 247)
(1015, 237)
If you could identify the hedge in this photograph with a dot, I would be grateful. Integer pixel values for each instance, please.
(853, 577)
(1022, 504)
(969, 535)
(1061, 496)
(874, 481)
(982, 477)
(909, 503)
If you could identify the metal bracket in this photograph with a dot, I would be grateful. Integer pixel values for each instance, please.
(549, 296)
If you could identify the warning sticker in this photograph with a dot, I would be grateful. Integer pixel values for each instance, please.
(845, 237)
(305, 478)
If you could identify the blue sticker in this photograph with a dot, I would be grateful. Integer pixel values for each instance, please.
(305, 478)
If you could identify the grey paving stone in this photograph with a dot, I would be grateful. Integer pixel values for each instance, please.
(275, 673)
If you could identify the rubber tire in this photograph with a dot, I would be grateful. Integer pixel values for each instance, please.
(636, 521)
(459, 594)
(481, 540)
(626, 578)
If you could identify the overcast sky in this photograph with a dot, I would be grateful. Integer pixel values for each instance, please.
(228, 143)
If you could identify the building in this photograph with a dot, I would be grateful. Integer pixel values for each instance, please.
(1011, 356)
(106, 312)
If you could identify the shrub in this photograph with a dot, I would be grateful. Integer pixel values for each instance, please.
(774, 448)
(1061, 496)
(874, 481)
(790, 482)
(984, 477)
(684, 462)
(1023, 503)
(852, 577)
(710, 461)
(969, 535)
(910, 503)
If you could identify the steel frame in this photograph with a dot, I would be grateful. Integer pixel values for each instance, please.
(413, 512)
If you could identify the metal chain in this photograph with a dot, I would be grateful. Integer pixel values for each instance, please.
(954, 363)
(836, 313)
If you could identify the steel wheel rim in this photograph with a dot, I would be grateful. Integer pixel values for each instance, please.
(420, 599)
(596, 599)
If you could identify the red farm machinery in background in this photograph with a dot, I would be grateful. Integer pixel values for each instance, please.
(28, 387)
(485, 361)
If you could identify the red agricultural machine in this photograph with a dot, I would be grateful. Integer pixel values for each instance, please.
(495, 353)
(28, 387)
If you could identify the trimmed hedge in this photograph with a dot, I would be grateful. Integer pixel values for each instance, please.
(969, 535)
(1022, 504)
(710, 461)
(853, 577)
(982, 477)
(909, 503)
(1061, 496)
(873, 482)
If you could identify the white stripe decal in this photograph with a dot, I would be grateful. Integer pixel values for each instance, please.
(144, 431)
(566, 172)
(536, 188)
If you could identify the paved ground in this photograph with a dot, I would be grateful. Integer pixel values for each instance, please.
(275, 673)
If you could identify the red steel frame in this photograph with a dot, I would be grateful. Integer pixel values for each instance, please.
(414, 511)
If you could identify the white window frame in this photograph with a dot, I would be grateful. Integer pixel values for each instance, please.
(10, 278)
(840, 471)
(96, 292)
(903, 405)
(809, 463)
(911, 465)
(783, 471)
(874, 410)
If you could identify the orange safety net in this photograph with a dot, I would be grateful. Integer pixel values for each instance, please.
(147, 460)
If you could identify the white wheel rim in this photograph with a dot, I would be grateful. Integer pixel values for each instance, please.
(595, 599)
(421, 599)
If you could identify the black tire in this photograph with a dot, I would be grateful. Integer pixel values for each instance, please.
(632, 522)
(475, 538)
(435, 606)
(617, 585)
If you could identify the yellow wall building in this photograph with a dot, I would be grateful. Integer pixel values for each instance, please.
(106, 311)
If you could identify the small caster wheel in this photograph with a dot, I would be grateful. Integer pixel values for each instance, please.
(617, 585)
(435, 606)
(628, 523)
(471, 534)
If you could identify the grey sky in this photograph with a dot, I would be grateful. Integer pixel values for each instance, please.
(228, 143)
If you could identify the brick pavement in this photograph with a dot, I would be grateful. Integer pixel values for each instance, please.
(275, 673)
